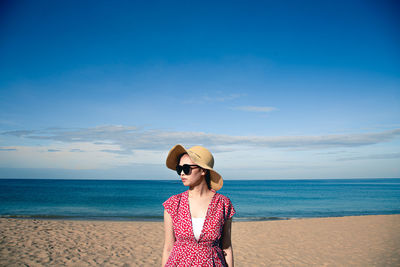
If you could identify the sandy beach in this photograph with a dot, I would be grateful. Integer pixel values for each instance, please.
(342, 241)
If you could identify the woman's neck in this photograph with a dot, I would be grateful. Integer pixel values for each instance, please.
(199, 190)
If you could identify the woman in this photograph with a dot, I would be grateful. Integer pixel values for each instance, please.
(198, 221)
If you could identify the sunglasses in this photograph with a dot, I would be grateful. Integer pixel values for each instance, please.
(186, 168)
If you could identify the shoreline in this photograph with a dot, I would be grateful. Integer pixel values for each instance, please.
(160, 218)
(366, 240)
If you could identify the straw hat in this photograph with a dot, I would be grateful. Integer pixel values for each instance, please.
(200, 156)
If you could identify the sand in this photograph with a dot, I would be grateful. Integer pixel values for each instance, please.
(343, 241)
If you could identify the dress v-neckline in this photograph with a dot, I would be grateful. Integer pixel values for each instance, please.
(205, 219)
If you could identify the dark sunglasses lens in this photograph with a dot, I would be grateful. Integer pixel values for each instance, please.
(185, 168)
(179, 169)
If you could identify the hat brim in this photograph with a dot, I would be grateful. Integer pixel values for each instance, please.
(172, 160)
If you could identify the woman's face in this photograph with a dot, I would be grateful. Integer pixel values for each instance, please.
(196, 174)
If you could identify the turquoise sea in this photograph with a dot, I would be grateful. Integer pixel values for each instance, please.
(142, 199)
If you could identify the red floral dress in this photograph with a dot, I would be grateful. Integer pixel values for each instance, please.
(206, 251)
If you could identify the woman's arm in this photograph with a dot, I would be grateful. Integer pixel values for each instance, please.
(169, 237)
(227, 244)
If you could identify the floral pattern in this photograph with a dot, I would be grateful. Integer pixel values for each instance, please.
(206, 251)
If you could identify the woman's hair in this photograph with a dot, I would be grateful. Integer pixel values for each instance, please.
(208, 179)
(208, 175)
(179, 158)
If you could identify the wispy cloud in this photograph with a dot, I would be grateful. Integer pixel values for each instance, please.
(331, 152)
(218, 97)
(53, 150)
(375, 156)
(129, 138)
(115, 151)
(221, 98)
(19, 133)
(76, 150)
(255, 108)
(7, 149)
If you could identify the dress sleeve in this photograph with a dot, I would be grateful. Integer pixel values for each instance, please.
(229, 209)
(170, 205)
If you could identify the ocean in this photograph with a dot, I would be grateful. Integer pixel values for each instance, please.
(131, 200)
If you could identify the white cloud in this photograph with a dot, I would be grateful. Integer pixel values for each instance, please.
(64, 155)
(247, 157)
(374, 156)
(127, 138)
(116, 151)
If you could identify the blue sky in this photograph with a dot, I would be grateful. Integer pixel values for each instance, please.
(275, 89)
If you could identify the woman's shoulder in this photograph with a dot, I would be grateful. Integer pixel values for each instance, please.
(176, 197)
(226, 206)
(223, 198)
(172, 203)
